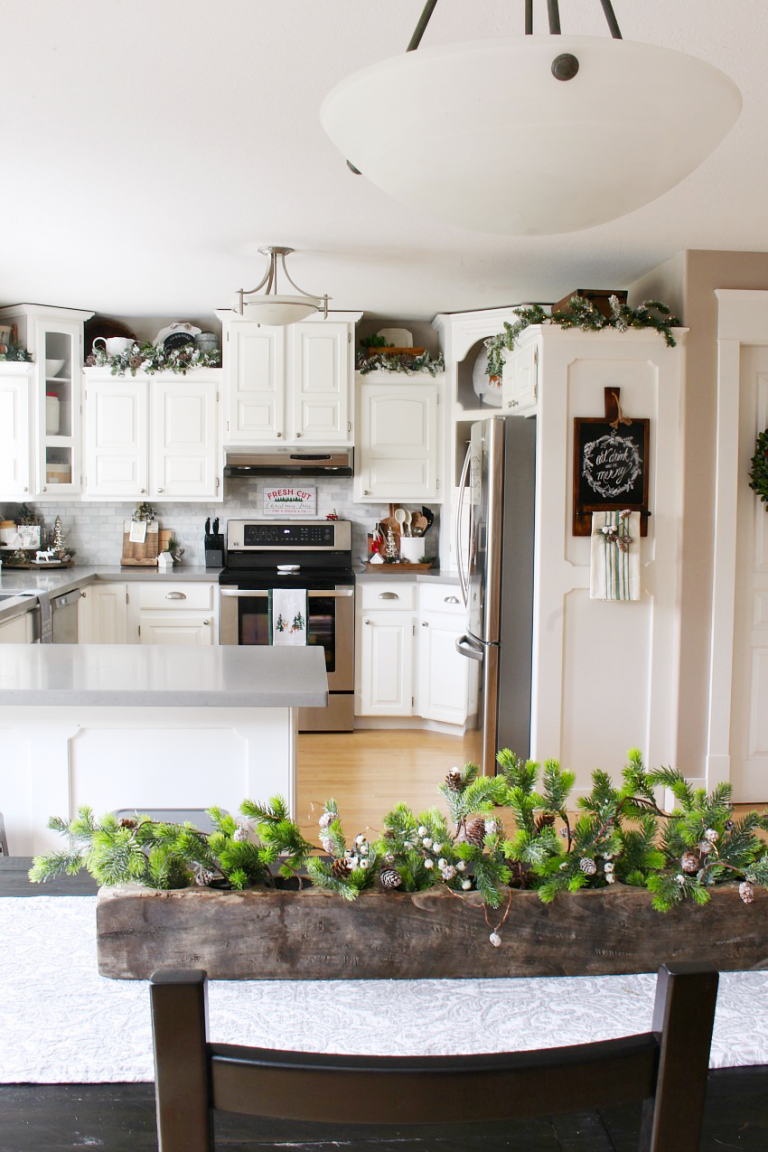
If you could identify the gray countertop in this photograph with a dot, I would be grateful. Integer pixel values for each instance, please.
(27, 582)
(162, 676)
(393, 572)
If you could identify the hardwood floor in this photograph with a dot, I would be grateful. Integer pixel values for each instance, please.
(367, 772)
(370, 770)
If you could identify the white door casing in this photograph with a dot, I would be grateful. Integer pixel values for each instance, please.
(737, 744)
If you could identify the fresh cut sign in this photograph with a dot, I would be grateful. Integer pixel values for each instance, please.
(285, 501)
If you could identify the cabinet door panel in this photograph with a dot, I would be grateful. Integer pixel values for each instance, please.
(14, 437)
(116, 438)
(398, 447)
(443, 673)
(256, 382)
(184, 438)
(155, 628)
(321, 382)
(386, 679)
(108, 614)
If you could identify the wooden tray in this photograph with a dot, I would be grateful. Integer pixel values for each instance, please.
(141, 555)
(391, 568)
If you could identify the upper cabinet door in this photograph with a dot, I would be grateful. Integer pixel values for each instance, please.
(320, 382)
(116, 437)
(255, 358)
(398, 449)
(183, 439)
(14, 433)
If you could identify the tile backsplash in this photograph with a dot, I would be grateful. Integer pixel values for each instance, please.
(95, 530)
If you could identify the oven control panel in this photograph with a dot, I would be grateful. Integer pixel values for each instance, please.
(262, 535)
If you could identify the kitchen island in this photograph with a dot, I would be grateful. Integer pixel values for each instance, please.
(127, 726)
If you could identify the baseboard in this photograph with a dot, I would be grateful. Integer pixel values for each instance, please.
(411, 722)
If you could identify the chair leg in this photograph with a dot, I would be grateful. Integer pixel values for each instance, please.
(180, 1028)
(683, 1016)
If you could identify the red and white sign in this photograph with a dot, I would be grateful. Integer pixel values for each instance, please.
(287, 501)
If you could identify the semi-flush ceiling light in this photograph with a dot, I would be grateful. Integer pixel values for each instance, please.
(270, 308)
(529, 135)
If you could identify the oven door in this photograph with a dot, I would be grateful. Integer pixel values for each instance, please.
(244, 619)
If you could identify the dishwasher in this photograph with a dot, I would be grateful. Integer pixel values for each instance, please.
(63, 618)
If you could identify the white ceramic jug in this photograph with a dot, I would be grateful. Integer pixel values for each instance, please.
(114, 345)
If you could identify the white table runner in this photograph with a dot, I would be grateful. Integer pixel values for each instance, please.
(60, 1022)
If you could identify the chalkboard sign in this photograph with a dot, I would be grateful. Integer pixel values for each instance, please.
(610, 469)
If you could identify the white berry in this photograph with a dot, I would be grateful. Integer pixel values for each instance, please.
(610, 878)
(429, 863)
(365, 863)
(427, 842)
(490, 826)
(608, 866)
(461, 865)
(495, 939)
(423, 831)
(466, 885)
(437, 849)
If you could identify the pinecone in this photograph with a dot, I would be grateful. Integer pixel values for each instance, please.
(588, 866)
(546, 820)
(474, 833)
(453, 780)
(689, 862)
(390, 878)
(340, 869)
(127, 823)
(746, 891)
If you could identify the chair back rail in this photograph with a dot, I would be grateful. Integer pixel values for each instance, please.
(666, 1068)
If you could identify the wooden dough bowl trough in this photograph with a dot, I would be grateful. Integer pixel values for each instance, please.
(315, 935)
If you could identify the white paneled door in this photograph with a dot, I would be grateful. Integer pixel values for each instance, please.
(116, 438)
(749, 703)
(14, 436)
(321, 383)
(183, 438)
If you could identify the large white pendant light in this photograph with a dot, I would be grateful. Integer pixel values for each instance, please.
(531, 135)
(274, 309)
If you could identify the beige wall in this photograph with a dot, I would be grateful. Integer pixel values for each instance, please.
(687, 283)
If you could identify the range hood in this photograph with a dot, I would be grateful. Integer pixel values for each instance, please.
(287, 461)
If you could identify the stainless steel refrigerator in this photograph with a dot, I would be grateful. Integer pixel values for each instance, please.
(498, 484)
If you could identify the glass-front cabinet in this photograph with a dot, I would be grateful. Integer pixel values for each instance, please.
(54, 337)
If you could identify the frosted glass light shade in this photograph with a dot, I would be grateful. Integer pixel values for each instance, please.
(482, 135)
(280, 310)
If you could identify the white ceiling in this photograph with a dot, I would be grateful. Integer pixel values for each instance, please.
(150, 148)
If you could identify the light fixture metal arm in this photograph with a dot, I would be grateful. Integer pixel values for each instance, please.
(553, 9)
(421, 27)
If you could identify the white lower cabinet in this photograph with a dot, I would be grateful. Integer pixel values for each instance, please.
(406, 652)
(170, 613)
(103, 614)
(19, 630)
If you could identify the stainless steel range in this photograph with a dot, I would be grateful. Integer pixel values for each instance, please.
(315, 555)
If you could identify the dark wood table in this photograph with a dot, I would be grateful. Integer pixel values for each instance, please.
(120, 1117)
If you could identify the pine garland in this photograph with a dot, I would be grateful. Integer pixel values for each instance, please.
(150, 359)
(582, 314)
(758, 469)
(402, 362)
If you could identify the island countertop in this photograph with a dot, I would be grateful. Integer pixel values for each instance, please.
(162, 676)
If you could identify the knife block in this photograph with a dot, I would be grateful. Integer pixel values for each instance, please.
(214, 551)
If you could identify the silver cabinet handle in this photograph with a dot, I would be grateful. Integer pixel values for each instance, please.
(279, 435)
(388, 596)
(366, 621)
(161, 489)
(425, 624)
(175, 595)
(450, 600)
(260, 593)
(298, 435)
(366, 491)
(206, 621)
(142, 490)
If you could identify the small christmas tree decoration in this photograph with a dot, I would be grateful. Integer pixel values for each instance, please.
(689, 862)
(746, 891)
(59, 544)
(390, 552)
(340, 869)
(588, 866)
(390, 878)
(475, 831)
(453, 779)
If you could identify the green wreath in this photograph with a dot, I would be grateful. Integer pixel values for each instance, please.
(758, 470)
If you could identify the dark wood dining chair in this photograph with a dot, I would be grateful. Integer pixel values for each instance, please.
(666, 1068)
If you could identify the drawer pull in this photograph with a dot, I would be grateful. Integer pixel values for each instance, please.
(175, 595)
(366, 621)
(388, 596)
(451, 600)
(206, 621)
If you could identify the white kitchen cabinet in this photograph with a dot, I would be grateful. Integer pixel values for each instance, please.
(103, 614)
(167, 612)
(290, 384)
(15, 393)
(19, 630)
(116, 437)
(520, 379)
(398, 442)
(152, 436)
(54, 337)
(446, 686)
(386, 663)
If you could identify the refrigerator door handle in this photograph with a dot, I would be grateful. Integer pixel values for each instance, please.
(465, 647)
(463, 577)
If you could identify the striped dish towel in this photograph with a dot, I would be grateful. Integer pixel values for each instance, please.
(615, 572)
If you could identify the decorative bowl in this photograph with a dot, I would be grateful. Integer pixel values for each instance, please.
(53, 367)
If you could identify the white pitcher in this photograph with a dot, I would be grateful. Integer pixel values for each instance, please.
(114, 345)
